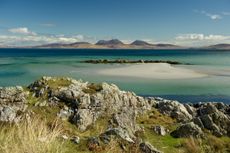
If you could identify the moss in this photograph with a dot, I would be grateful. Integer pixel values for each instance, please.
(58, 82)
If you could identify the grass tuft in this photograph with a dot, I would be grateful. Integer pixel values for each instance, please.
(31, 136)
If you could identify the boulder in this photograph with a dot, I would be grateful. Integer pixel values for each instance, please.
(119, 132)
(160, 130)
(146, 147)
(188, 130)
(65, 113)
(12, 103)
(7, 114)
(174, 109)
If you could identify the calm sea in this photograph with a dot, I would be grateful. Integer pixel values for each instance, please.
(23, 66)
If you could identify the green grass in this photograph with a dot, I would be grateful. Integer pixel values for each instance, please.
(166, 143)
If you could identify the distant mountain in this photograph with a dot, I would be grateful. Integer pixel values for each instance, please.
(145, 45)
(72, 45)
(219, 47)
(110, 42)
(141, 43)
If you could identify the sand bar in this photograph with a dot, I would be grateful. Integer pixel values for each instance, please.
(152, 71)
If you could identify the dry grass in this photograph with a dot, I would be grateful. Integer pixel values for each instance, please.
(31, 136)
(216, 144)
(192, 145)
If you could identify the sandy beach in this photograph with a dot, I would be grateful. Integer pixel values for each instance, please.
(152, 71)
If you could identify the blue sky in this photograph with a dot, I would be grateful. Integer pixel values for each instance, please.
(183, 22)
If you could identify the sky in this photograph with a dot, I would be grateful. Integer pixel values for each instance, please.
(181, 22)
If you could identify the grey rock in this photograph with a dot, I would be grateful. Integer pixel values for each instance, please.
(75, 139)
(207, 108)
(174, 109)
(146, 147)
(198, 122)
(83, 118)
(12, 95)
(12, 103)
(7, 114)
(215, 119)
(122, 133)
(65, 113)
(188, 130)
(160, 130)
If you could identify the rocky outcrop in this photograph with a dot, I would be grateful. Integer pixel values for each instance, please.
(12, 102)
(89, 102)
(211, 116)
(214, 117)
(86, 104)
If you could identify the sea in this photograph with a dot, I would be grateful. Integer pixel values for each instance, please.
(23, 66)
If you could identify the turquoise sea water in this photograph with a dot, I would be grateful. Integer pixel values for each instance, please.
(23, 66)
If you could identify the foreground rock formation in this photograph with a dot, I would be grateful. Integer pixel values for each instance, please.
(84, 104)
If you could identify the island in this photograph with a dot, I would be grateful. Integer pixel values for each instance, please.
(125, 61)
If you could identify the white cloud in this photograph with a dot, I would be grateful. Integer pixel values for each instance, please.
(210, 15)
(22, 30)
(21, 40)
(196, 39)
(196, 36)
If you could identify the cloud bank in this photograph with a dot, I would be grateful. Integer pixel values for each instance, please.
(22, 36)
(22, 30)
(196, 39)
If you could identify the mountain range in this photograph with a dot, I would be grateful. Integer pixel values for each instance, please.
(117, 44)
(112, 44)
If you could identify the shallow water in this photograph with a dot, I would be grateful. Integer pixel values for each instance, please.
(23, 66)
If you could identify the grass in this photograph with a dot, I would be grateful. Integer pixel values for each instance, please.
(31, 136)
(166, 143)
(58, 82)
(192, 145)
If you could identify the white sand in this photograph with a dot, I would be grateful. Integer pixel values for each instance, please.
(152, 71)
